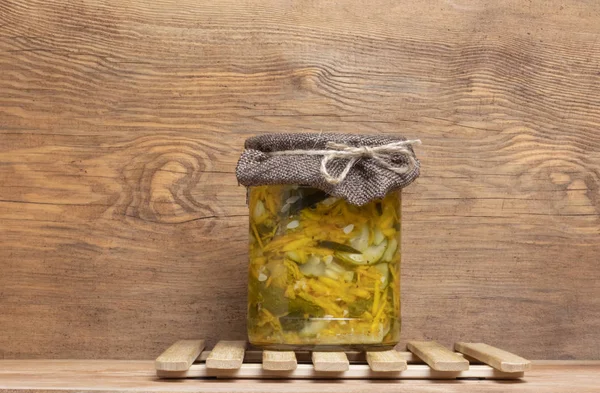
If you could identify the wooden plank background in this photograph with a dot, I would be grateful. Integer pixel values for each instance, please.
(123, 229)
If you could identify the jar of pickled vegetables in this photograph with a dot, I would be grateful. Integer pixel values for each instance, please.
(325, 239)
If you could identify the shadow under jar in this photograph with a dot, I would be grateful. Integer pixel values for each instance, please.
(324, 273)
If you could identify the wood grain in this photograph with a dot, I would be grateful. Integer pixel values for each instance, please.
(330, 361)
(179, 356)
(437, 356)
(386, 361)
(134, 376)
(226, 355)
(123, 229)
(279, 360)
(495, 357)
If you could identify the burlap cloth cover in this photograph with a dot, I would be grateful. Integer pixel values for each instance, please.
(297, 159)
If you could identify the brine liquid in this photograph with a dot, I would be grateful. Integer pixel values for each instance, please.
(323, 272)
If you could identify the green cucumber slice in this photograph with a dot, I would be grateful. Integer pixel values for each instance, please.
(385, 274)
(352, 259)
(374, 253)
(378, 236)
(370, 256)
(331, 274)
(391, 249)
(312, 270)
(313, 267)
(294, 256)
(361, 242)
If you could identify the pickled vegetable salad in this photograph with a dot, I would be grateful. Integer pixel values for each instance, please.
(322, 271)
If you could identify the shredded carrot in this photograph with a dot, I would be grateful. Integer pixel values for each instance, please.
(256, 235)
(376, 297)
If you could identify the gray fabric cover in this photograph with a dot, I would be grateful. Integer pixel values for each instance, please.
(365, 182)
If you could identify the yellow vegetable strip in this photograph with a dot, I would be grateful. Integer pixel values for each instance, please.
(368, 273)
(293, 268)
(270, 319)
(329, 307)
(255, 231)
(389, 232)
(254, 272)
(367, 315)
(277, 244)
(272, 234)
(282, 240)
(334, 284)
(293, 245)
(395, 288)
(321, 252)
(340, 289)
(360, 292)
(318, 287)
(386, 222)
(289, 292)
(270, 201)
(378, 314)
(392, 271)
(306, 213)
(376, 298)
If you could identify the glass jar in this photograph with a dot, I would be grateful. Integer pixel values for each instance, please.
(324, 274)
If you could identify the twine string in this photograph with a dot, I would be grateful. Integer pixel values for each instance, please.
(379, 154)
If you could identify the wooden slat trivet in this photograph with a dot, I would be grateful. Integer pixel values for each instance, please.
(495, 357)
(437, 356)
(230, 360)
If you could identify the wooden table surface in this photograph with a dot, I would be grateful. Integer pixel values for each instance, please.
(123, 229)
(111, 375)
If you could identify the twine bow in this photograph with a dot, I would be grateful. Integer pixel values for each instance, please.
(379, 154)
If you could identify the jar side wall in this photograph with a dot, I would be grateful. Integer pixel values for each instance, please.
(322, 272)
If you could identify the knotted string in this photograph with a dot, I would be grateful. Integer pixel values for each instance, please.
(379, 154)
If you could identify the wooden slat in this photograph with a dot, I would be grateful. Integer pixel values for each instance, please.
(227, 355)
(179, 356)
(279, 360)
(355, 371)
(437, 356)
(330, 361)
(495, 357)
(386, 361)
